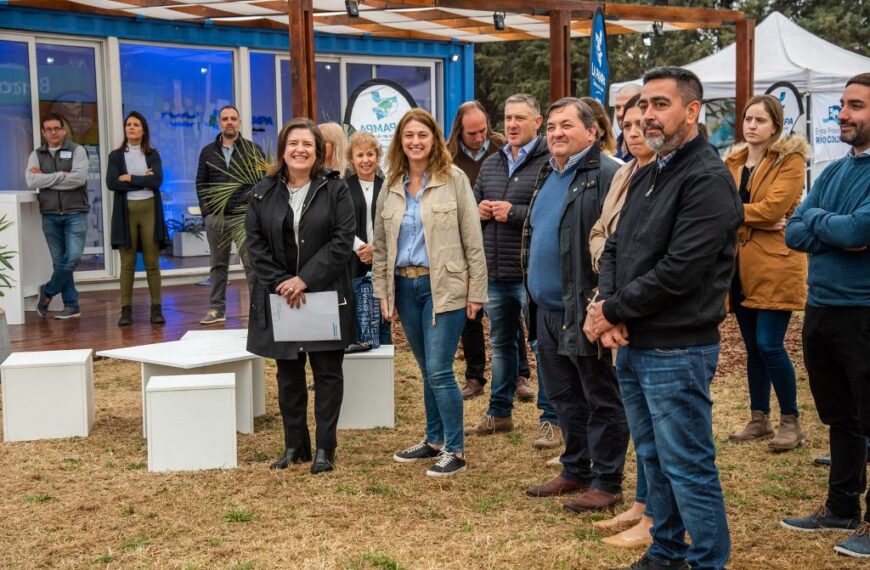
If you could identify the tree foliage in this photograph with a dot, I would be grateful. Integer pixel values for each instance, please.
(504, 68)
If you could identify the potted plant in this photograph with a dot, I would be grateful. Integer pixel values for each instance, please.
(5, 283)
(187, 236)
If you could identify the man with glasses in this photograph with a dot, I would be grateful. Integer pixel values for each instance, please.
(58, 169)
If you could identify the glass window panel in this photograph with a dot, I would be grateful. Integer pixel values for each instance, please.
(265, 119)
(286, 92)
(328, 92)
(179, 91)
(16, 115)
(357, 74)
(417, 80)
(68, 85)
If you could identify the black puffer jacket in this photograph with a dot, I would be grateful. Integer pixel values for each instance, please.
(322, 257)
(503, 241)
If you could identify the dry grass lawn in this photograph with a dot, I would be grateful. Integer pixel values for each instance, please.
(91, 503)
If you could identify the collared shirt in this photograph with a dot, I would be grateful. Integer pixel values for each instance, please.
(228, 152)
(411, 245)
(664, 160)
(475, 156)
(852, 154)
(368, 190)
(571, 161)
(521, 155)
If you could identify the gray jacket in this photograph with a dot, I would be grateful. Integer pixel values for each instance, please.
(60, 193)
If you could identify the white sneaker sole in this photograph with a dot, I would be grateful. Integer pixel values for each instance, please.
(846, 552)
(212, 321)
(414, 460)
(65, 317)
(445, 474)
(823, 529)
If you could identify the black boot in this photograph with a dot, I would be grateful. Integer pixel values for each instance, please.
(157, 315)
(324, 460)
(291, 455)
(126, 316)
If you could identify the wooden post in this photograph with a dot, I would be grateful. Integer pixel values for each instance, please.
(303, 87)
(560, 54)
(745, 72)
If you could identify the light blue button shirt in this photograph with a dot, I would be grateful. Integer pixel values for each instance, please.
(411, 247)
(521, 155)
(475, 156)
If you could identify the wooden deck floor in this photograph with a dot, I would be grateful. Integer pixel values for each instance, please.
(97, 328)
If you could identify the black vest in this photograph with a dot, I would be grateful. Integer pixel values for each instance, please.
(53, 201)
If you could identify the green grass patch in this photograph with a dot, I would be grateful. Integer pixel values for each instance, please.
(132, 543)
(239, 516)
(38, 497)
(374, 559)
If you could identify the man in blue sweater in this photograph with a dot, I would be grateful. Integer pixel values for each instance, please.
(833, 226)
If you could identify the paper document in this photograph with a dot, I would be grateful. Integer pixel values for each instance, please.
(317, 319)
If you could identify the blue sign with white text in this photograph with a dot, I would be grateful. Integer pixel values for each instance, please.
(599, 69)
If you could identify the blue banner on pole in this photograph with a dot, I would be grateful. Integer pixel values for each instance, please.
(599, 68)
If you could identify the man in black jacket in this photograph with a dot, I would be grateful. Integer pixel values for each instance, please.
(222, 162)
(664, 274)
(503, 191)
(578, 376)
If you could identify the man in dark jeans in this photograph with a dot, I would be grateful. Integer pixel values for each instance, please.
(579, 378)
(833, 225)
(664, 274)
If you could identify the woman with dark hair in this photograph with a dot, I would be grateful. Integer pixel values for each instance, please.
(606, 139)
(300, 229)
(134, 173)
(428, 265)
(769, 279)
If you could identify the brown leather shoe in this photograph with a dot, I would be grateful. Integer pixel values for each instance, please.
(489, 425)
(472, 389)
(525, 392)
(556, 487)
(593, 500)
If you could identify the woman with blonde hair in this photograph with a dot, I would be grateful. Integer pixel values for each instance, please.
(336, 147)
(429, 267)
(606, 140)
(769, 278)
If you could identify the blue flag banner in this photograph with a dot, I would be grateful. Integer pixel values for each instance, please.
(599, 69)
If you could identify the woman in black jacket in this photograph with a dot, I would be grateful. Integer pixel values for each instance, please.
(300, 228)
(134, 173)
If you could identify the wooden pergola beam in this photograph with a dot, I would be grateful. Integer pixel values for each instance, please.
(745, 86)
(560, 55)
(303, 88)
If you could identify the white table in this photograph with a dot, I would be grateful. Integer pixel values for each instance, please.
(201, 354)
(237, 339)
(31, 265)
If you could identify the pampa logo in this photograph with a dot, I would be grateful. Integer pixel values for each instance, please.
(384, 106)
(833, 114)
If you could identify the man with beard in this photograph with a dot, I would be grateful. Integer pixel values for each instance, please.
(833, 225)
(222, 162)
(664, 274)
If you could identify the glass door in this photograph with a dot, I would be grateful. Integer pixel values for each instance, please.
(69, 84)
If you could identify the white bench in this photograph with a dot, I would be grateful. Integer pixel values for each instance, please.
(195, 356)
(237, 339)
(191, 422)
(48, 395)
(369, 400)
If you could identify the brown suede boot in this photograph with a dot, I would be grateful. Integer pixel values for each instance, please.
(489, 425)
(759, 427)
(789, 436)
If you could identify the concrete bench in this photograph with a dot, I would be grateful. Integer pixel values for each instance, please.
(191, 422)
(195, 356)
(369, 400)
(48, 395)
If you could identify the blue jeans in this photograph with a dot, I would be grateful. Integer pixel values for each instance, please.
(666, 393)
(506, 304)
(65, 235)
(433, 340)
(548, 414)
(767, 362)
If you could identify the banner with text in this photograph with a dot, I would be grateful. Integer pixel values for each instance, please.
(826, 127)
(376, 107)
(599, 68)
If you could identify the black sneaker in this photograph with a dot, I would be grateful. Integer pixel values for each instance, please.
(821, 519)
(42, 302)
(645, 563)
(417, 452)
(448, 464)
(857, 545)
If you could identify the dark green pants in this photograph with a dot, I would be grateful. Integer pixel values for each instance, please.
(141, 214)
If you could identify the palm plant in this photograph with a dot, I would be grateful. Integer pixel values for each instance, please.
(5, 258)
(251, 166)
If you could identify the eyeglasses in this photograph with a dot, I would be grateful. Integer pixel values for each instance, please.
(53, 129)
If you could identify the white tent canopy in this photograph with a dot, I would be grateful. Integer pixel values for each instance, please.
(783, 52)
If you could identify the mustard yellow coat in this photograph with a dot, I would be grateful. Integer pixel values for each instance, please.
(772, 275)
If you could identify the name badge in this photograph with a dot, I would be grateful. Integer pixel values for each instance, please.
(65, 154)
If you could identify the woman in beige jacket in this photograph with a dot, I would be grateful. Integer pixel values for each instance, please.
(769, 280)
(636, 522)
(429, 269)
